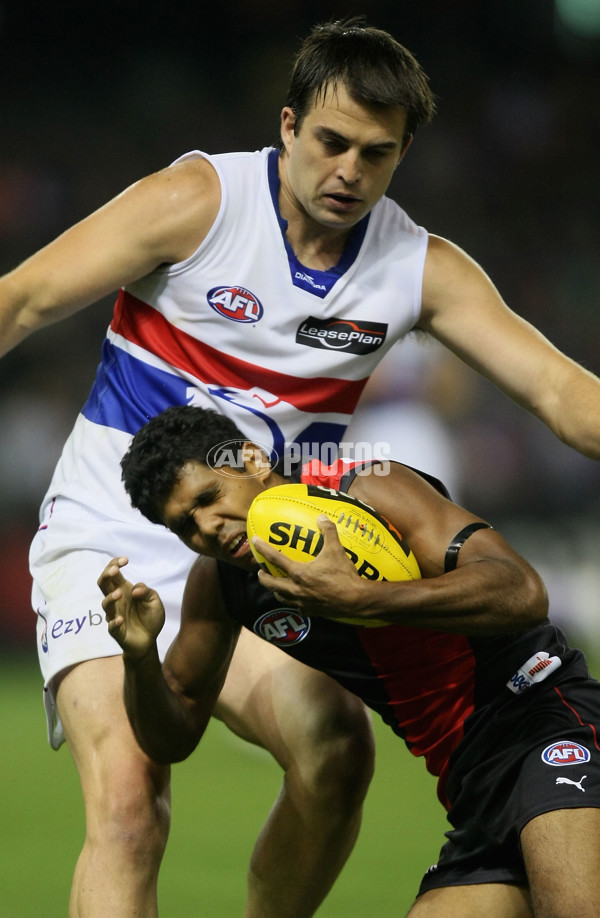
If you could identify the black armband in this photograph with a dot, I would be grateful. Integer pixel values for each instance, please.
(458, 541)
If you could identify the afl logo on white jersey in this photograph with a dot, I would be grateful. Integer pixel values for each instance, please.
(282, 627)
(235, 303)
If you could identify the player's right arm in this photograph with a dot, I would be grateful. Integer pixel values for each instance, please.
(161, 219)
(463, 309)
(169, 707)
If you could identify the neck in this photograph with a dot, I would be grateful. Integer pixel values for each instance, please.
(316, 246)
(316, 250)
(274, 479)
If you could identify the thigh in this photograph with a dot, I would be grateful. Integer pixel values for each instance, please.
(113, 769)
(272, 700)
(492, 900)
(561, 850)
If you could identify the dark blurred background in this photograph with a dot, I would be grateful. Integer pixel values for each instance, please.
(93, 96)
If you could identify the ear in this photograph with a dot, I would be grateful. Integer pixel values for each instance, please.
(288, 120)
(405, 145)
(256, 462)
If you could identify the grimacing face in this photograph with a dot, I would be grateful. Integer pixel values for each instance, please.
(342, 159)
(207, 509)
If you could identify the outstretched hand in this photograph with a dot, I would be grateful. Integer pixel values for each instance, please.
(328, 586)
(135, 613)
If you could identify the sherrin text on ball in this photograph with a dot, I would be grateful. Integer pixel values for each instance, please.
(286, 517)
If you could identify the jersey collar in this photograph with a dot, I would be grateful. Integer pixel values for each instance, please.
(312, 280)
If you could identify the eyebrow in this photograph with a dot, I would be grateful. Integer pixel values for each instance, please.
(325, 133)
(202, 498)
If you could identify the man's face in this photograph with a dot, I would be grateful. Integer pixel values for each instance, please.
(342, 160)
(208, 509)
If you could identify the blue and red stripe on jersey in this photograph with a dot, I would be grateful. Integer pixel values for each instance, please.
(134, 390)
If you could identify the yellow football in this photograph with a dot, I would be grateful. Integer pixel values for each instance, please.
(286, 518)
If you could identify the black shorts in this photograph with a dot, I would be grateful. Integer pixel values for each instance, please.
(527, 755)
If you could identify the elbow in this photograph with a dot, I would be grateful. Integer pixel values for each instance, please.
(168, 750)
(524, 602)
(167, 755)
(534, 604)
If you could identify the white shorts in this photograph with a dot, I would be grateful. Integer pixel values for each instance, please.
(67, 556)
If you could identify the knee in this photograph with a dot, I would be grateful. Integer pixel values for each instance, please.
(348, 759)
(139, 814)
(126, 795)
(131, 811)
(344, 769)
(338, 762)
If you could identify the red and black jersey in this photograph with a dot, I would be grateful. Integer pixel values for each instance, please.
(428, 686)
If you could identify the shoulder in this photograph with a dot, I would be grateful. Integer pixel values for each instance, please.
(414, 505)
(186, 185)
(401, 494)
(391, 218)
(444, 256)
(203, 596)
(182, 181)
(455, 289)
(204, 570)
(375, 483)
(176, 206)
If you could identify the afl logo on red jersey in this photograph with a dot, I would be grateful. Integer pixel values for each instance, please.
(235, 303)
(565, 752)
(282, 627)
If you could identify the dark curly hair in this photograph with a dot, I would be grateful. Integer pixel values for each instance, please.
(160, 449)
(375, 69)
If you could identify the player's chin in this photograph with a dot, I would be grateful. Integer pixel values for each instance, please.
(341, 221)
(246, 562)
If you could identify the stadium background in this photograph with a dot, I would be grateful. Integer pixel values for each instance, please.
(96, 95)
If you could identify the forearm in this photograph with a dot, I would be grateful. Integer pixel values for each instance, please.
(160, 720)
(463, 310)
(15, 322)
(488, 597)
(576, 412)
(27, 307)
(563, 394)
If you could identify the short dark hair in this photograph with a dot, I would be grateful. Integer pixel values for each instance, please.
(374, 68)
(161, 448)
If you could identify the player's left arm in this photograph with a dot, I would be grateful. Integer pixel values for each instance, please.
(492, 589)
(169, 706)
(462, 308)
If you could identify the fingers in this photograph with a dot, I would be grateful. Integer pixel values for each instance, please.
(114, 624)
(111, 576)
(139, 592)
(331, 536)
(276, 584)
(117, 563)
(273, 555)
(331, 543)
(111, 582)
(326, 525)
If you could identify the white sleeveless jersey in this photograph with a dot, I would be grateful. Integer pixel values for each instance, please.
(242, 327)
